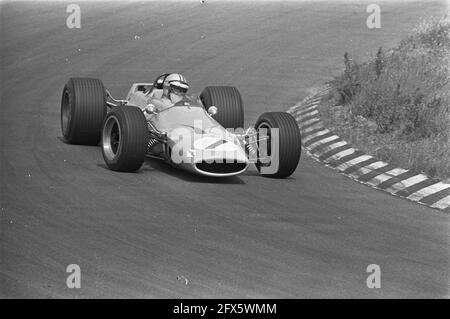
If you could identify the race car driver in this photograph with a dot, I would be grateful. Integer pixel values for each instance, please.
(175, 87)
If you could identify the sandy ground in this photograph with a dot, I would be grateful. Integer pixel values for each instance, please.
(140, 235)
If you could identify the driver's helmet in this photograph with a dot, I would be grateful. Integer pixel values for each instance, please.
(175, 87)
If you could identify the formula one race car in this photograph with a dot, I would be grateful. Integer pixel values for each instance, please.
(203, 134)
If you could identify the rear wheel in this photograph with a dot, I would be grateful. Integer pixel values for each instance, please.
(83, 108)
(124, 139)
(228, 100)
(288, 143)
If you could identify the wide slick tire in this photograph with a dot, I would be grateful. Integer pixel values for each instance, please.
(228, 100)
(124, 139)
(83, 108)
(289, 144)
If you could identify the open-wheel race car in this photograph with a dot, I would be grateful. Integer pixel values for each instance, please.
(203, 134)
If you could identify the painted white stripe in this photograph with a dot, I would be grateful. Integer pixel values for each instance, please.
(442, 203)
(307, 104)
(428, 191)
(331, 147)
(385, 176)
(312, 127)
(320, 92)
(367, 169)
(352, 162)
(306, 110)
(322, 141)
(340, 155)
(311, 121)
(406, 183)
(376, 165)
(310, 137)
(309, 114)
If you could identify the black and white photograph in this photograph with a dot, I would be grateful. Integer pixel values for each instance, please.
(245, 152)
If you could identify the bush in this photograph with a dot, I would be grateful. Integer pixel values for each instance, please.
(347, 84)
(406, 90)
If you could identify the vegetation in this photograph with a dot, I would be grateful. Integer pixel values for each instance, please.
(397, 106)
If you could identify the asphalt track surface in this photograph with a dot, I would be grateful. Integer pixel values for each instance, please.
(165, 233)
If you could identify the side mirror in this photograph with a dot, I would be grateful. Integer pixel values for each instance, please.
(212, 110)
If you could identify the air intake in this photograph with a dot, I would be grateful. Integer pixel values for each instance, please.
(221, 168)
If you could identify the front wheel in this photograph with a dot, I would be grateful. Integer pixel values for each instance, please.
(279, 144)
(124, 139)
(228, 100)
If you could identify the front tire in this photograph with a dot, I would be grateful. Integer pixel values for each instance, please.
(228, 100)
(83, 108)
(289, 143)
(124, 139)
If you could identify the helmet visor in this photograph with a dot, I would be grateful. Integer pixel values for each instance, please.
(178, 87)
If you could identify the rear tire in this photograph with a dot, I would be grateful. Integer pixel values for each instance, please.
(289, 142)
(228, 100)
(83, 108)
(124, 139)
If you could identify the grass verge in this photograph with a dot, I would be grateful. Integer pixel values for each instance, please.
(396, 106)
